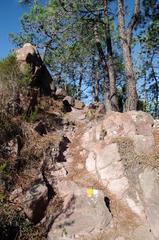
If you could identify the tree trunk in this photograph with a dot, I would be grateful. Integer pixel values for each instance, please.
(131, 94)
(113, 96)
(80, 81)
(95, 81)
(156, 90)
(104, 63)
(93, 77)
(96, 97)
(74, 83)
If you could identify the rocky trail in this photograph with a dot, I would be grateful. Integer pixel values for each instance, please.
(86, 210)
(90, 179)
(103, 199)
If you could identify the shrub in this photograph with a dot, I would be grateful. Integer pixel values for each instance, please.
(11, 78)
(14, 226)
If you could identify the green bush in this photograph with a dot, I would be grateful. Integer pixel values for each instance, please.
(14, 226)
(8, 128)
(10, 73)
(12, 80)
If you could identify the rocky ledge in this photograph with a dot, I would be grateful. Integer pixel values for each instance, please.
(92, 179)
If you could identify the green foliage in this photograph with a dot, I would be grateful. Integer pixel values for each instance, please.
(143, 106)
(32, 117)
(12, 80)
(26, 76)
(4, 170)
(13, 224)
(90, 114)
(8, 128)
(9, 71)
(10, 74)
(65, 30)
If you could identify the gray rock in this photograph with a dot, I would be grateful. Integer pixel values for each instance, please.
(41, 78)
(156, 123)
(36, 201)
(15, 196)
(22, 55)
(149, 183)
(60, 93)
(69, 100)
(84, 213)
(143, 144)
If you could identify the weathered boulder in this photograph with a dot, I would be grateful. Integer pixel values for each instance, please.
(16, 195)
(36, 201)
(41, 78)
(104, 173)
(121, 162)
(23, 54)
(149, 183)
(78, 104)
(115, 124)
(69, 100)
(60, 93)
(68, 103)
(156, 123)
(84, 213)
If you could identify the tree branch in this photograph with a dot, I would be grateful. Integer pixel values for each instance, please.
(133, 20)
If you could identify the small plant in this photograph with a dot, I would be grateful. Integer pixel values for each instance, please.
(26, 76)
(103, 133)
(34, 115)
(90, 115)
(12, 80)
(13, 224)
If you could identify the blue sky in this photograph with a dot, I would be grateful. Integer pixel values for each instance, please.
(10, 13)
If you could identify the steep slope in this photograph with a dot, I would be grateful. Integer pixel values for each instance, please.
(112, 161)
(87, 178)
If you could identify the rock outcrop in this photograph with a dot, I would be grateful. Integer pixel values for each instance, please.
(41, 78)
(84, 212)
(90, 179)
(113, 160)
(119, 155)
(36, 201)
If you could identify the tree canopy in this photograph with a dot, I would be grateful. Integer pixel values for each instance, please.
(91, 46)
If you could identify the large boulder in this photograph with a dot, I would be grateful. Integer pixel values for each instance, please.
(24, 55)
(60, 93)
(36, 201)
(150, 188)
(69, 101)
(41, 78)
(124, 160)
(84, 213)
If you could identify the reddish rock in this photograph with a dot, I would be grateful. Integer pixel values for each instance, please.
(60, 93)
(78, 105)
(100, 109)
